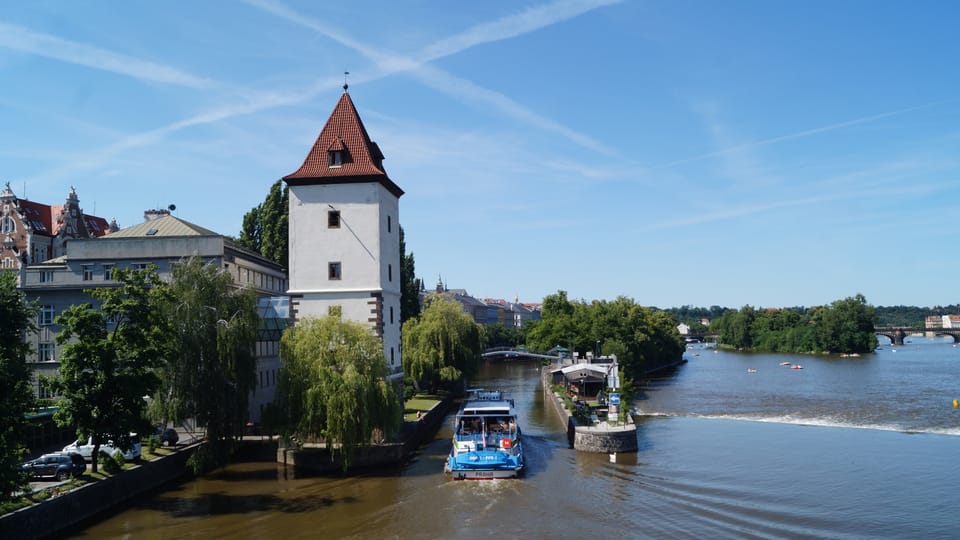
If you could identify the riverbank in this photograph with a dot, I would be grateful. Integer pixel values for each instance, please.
(600, 437)
(68, 509)
(318, 457)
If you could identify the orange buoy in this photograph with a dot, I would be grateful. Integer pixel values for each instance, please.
(956, 403)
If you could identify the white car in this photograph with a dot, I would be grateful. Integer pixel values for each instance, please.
(85, 448)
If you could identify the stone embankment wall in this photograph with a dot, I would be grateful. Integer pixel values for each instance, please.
(54, 516)
(412, 434)
(597, 439)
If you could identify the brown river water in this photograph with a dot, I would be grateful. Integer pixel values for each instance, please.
(723, 454)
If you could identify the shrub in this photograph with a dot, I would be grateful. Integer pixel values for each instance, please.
(109, 463)
(153, 442)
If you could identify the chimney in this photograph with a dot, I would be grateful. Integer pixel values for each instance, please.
(150, 215)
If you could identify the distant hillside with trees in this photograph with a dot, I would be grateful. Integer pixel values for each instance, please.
(910, 315)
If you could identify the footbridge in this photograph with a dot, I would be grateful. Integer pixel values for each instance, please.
(897, 333)
(515, 353)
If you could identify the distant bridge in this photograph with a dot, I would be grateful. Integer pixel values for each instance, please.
(514, 353)
(897, 333)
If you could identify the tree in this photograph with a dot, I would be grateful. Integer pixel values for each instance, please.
(265, 227)
(498, 335)
(443, 345)
(409, 284)
(16, 397)
(211, 367)
(110, 358)
(333, 385)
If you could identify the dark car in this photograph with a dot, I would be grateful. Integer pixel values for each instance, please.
(168, 436)
(59, 465)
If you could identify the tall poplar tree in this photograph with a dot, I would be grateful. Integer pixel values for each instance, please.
(16, 397)
(409, 284)
(265, 227)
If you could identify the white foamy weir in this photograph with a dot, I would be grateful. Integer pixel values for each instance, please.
(831, 423)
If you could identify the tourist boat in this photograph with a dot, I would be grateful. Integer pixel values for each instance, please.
(796, 366)
(486, 439)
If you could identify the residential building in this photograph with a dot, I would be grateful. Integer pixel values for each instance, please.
(32, 232)
(344, 232)
(489, 311)
(164, 241)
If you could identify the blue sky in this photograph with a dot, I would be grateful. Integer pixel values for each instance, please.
(681, 152)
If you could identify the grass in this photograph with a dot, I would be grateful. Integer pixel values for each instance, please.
(419, 403)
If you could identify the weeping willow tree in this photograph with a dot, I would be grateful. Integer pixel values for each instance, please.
(333, 385)
(211, 369)
(442, 345)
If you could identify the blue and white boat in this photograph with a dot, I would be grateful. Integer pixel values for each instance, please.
(486, 439)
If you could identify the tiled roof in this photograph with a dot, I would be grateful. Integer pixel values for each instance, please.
(43, 219)
(362, 159)
(164, 226)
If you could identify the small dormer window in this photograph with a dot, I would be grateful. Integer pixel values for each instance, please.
(336, 158)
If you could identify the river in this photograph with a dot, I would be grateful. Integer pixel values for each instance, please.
(844, 448)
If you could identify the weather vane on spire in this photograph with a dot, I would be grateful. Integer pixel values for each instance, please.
(345, 73)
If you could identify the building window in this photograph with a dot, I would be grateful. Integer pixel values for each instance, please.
(88, 272)
(46, 315)
(333, 270)
(108, 272)
(138, 267)
(7, 263)
(388, 224)
(391, 356)
(391, 314)
(46, 276)
(8, 225)
(336, 158)
(45, 352)
(389, 272)
(333, 219)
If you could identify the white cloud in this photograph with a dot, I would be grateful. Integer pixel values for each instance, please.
(21, 39)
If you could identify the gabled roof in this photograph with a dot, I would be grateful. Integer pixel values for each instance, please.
(43, 219)
(362, 160)
(163, 226)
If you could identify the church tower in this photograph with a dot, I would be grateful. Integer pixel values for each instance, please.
(344, 232)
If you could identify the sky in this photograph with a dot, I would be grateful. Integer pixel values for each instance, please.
(674, 152)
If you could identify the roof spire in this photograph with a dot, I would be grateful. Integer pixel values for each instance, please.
(345, 85)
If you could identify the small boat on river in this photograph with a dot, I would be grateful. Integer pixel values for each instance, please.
(486, 439)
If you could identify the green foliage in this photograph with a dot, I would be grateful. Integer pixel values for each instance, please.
(110, 358)
(643, 339)
(112, 464)
(498, 335)
(845, 326)
(265, 227)
(333, 385)
(409, 284)
(443, 345)
(211, 365)
(16, 396)
(910, 316)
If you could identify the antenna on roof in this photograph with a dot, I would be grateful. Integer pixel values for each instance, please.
(345, 85)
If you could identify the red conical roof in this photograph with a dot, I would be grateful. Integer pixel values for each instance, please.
(361, 161)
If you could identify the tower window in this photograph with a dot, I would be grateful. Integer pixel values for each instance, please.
(389, 272)
(388, 224)
(333, 270)
(333, 219)
(336, 158)
(391, 314)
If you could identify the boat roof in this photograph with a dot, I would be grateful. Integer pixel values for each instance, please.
(488, 407)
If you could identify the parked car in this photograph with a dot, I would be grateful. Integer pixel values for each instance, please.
(168, 436)
(58, 465)
(85, 448)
